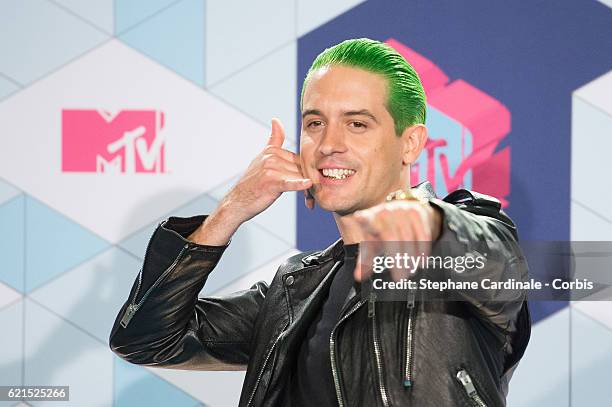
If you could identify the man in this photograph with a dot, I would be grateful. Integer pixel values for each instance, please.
(310, 337)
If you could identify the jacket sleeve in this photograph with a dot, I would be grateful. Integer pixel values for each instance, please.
(164, 323)
(474, 225)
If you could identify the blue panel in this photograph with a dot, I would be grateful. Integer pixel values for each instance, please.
(54, 244)
(12, 248)
(38, 37)
(131, 12)
(135, 386)
(174, 38)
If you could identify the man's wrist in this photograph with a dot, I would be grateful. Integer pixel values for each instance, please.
(217, 229)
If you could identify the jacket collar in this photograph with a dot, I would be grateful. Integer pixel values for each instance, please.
(335, 250)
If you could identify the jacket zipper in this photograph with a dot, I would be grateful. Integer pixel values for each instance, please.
(410, 304)
(263, 367)
(377, 350)
(333, 350)
(466, 381)
(133, 307)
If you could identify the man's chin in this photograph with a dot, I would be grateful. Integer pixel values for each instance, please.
(339, 208)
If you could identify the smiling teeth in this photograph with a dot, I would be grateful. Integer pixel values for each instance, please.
(337, 173)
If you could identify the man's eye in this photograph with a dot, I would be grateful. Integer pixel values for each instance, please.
(358, 125)
(315, 123)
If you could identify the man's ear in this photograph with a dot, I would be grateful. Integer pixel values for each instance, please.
(413, 141)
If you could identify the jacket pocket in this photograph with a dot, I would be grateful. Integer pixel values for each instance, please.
(469, 388)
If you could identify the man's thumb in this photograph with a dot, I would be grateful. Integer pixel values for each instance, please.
(277, 138)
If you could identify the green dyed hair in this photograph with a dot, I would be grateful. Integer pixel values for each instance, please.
(405, 94)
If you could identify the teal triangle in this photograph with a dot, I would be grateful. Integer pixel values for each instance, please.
(128, 13)
(136, 386)
(174, 38)
(54, 244)
(12, 248)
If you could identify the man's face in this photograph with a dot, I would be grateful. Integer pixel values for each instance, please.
(348, 145)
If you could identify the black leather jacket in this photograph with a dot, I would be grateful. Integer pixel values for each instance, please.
(382, 354)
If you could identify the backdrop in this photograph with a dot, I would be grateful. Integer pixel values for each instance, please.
(117, 114)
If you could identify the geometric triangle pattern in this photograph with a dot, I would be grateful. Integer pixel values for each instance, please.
(98, 288)
(174, 38)
(12, 248)
(39, 37)
(7, 87)
(129, 13)
(8, 295)
(599, 311)
(136, 386)
(313, 13)
(58, 353)
(236, 39)
(7, 191)
(96, 12)
(54, 243)
(273, 76)
(591, 130)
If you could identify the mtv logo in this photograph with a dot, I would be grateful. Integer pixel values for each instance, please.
(465, 127)
(97, 141)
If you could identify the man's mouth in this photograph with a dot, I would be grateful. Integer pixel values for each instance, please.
(336, 173)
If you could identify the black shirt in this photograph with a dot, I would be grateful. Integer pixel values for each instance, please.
(312, 383)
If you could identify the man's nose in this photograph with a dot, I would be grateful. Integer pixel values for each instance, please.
(333, 140)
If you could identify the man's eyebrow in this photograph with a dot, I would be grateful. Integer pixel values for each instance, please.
(364, 112)
(312, 111)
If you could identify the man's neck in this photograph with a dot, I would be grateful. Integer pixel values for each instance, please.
(348, 228)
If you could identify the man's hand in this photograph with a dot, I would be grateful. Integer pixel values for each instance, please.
(274, 171)
(411, 222)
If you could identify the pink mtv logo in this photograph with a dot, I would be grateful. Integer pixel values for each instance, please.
(97, 141)
(465, 127)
